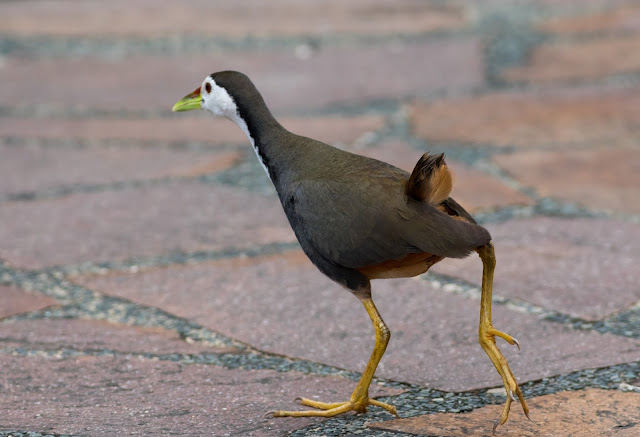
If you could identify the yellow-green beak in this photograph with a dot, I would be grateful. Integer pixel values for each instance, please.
(188, 102)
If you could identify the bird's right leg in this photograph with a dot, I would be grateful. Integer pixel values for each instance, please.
(488, 335)
(360, 397)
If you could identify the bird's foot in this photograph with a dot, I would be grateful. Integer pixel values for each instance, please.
(324, 409)
(488, 343)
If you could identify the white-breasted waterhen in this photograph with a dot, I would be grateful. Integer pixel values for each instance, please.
(359, 219)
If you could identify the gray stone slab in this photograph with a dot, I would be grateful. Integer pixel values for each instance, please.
(147, 221)
(40, 168)
(16, 301)
(100, 396)
(228, 18)
(333, 76)
(97, 335)
(581, 267)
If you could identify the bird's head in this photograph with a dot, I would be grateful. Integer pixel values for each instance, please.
(210, 96)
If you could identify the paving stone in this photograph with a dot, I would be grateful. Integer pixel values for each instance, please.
(582, 60)
(554, 117)
(101, 396)
(473, 189)
(185, 128)
(606, 179)
(335, 75)
(98, 335)
(585, 268)
(227, 18)
(624, 18)
(33, 167)
(579, 413)
(284, 305)
(146, 221)
(15, 301)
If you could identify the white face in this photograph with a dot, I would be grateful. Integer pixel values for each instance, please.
(217, 100)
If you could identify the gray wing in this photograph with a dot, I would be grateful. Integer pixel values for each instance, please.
(348, 224)
(343, 223)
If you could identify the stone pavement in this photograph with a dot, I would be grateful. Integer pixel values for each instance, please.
(150, 284)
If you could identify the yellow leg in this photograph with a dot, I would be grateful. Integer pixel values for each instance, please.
(360, 397)
(487, 334)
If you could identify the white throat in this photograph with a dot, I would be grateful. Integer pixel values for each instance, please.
(219, 102)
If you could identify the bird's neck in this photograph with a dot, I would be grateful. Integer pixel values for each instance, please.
(262, 129)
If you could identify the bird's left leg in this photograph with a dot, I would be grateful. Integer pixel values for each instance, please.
(360, 396)
(488, 335)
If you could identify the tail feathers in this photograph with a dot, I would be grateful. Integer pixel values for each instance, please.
(431, 181)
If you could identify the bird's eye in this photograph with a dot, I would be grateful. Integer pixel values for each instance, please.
(207, 87)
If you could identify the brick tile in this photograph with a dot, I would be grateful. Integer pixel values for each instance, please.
(579, 60)
(227, 18)
(582, 267)
(33, 168)
(274, 303)
(606, 179)
(95, 334)
(585, 412)
(333, 76)
(624, 18)
(120, 396)
(15, 301)
(552, 118)
(147, 221)
(186, 128)
(472, 188)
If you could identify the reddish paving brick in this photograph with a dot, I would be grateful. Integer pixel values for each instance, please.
(472, 188)
(579, 413)
(550, 118)
(625, 18)
(33, 167)
(122, 396)
(581, 267)
(227, 18)
(183, 216)
(16, 301)
(95, 334)
(606, 179)
(335, 75)
(579, 60)
(283, 304)
(186, 128)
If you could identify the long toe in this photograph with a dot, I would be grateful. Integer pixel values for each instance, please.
(330, 409)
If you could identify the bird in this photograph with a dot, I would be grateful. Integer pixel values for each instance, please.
(358, 219)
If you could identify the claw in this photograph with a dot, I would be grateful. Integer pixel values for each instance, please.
(298, 399)
(269, 414)
(517, 344)
(512, 395)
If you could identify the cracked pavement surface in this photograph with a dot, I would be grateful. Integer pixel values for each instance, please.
(150, 284)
